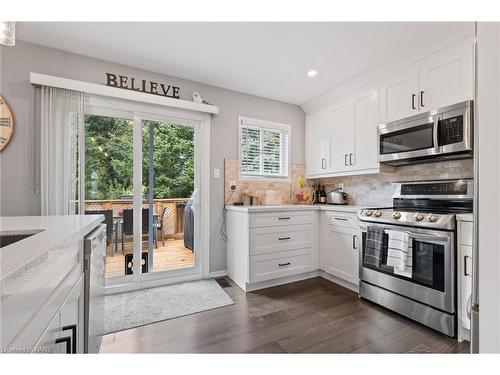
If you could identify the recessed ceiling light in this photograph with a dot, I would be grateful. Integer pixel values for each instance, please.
(312, 73)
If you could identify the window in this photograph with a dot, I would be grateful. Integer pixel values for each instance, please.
(264, 148)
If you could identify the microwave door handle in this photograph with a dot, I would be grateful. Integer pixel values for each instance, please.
(435, 131)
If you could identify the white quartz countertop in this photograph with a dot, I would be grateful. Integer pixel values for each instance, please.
(296, 207)
(51, 231)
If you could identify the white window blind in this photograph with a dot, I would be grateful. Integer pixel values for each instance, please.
(264, 149)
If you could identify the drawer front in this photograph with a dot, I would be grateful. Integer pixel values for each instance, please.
(342, 219)
(281, 238)
(275, 265)
(258, 220)
(466, 233)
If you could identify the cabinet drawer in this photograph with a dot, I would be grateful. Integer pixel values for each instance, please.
(281, 218)
(466, 233)
(341, 219)
(275, 265)
(280, 238)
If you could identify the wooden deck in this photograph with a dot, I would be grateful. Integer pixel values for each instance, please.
(169, 257)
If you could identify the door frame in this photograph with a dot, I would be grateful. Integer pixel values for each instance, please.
(137, 111)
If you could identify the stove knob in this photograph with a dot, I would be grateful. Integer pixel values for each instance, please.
(418, 217)
(432, 218)
(396, 215)
(368, 213)
(377, 213)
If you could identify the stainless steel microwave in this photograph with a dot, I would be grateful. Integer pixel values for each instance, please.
(441, 134)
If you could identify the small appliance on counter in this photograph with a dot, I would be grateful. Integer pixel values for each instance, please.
(336, 197)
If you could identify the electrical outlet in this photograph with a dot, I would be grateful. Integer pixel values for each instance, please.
(216, 173)
(341, 187)
(232, 185)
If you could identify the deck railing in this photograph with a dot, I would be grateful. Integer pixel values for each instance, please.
(173, 222)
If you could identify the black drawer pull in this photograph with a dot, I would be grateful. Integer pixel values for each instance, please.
(284, 218)
(72, 327)
(284, 264)
(67, 340)
(340, 218)
(283, 238)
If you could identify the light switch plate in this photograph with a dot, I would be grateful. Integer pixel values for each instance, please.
(216, 173)
(341, 187)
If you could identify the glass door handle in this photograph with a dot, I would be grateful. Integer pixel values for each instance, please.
(66, 340)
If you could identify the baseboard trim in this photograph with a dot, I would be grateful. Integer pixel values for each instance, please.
(220, 273)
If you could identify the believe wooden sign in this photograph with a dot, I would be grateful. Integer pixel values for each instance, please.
(149, 87)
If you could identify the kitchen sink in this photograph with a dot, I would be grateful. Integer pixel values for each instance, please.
(9, 239)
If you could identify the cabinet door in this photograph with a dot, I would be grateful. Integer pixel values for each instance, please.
(341, 130)
(465, 280)
(316, 143)
(48, 343)
(340, 253)
(398, 95)
(72, 317)
(447, 77)
(366, 120)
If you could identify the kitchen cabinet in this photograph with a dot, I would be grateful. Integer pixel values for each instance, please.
(350, 125)
(64, 333)
(464, 274)
(340, 240)
(271, 248)
(438, 80)
(317, 142)
(398, 95)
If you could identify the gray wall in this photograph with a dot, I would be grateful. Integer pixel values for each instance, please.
(19, 162)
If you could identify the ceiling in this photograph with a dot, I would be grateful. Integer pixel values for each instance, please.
(265, 59)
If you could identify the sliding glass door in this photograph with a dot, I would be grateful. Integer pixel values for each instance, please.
(141, 173)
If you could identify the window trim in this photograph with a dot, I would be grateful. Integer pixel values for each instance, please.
(264, 124)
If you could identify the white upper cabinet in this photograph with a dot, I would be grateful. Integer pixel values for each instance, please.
(366, 120)
(317, 143)
(341, 131)
(398, 95)
(441, 79)
(447, 77)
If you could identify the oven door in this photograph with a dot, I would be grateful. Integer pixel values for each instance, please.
(433, 268)
(408, 139)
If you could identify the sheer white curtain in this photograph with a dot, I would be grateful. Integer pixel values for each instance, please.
(61, 112)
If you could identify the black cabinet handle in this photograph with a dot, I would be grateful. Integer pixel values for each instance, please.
(283, 238)
(340, 218)
(67, 340)
(284, 264)
(284, 218)
(345, 160)
(413, 101)
(354, 238)
(422, 99)
(465, 266)
(350, 159)
(72, 327)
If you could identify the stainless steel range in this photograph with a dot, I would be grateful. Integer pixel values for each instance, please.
(415, 269)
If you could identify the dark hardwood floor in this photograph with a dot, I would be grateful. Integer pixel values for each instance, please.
(310, 316)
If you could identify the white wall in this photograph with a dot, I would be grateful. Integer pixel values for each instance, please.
(488, 126)
(19, 162)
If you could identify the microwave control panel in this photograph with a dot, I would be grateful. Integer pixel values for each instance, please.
(451, 130)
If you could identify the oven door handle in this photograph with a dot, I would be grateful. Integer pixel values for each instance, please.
(427, 237)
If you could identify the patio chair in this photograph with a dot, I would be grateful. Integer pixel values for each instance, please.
(128, 225)
(160, 226)
(108, 220)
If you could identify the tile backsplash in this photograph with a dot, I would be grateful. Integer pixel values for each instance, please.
(364, 190)
(287, 190)
(376, 189)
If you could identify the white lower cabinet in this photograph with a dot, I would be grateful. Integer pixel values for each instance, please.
(339, 246)
(65, 331)
(272, 248)
(464, 275)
